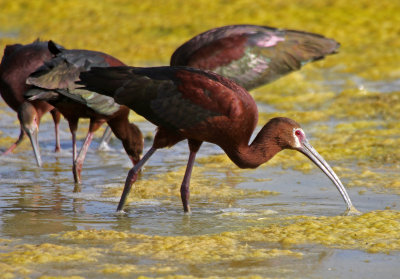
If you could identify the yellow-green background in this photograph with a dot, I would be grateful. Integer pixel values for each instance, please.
(143, 32)
(354, 125)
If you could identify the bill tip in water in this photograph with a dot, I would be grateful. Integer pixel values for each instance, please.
(352, 211)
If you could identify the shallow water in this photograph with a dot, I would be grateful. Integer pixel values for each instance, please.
(49, 227)
(283, 220)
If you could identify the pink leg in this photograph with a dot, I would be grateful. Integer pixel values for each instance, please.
(132, 176)
(57, 129)
(105, 139)
(78, 163)
(185, 192)
(15, 144)
(56, 118)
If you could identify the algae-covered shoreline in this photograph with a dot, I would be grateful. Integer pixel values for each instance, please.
(280, 221)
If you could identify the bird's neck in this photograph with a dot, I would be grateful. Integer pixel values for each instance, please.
(261, 150)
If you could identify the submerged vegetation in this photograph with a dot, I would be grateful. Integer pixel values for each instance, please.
(348, 104)
(134, 254)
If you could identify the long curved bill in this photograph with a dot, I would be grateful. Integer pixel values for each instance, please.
(33, 137)
(317, 159)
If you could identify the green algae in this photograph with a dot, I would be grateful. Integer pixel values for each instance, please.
(213, 179)
(374, 232)
(355, 128)
(367, 30)
(209, 277)
(169, 250)
(45, 253)
(126, 269)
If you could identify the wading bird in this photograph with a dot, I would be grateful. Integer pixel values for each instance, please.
(251, 55)
(54, 82)
(188, 103)
(18, 62)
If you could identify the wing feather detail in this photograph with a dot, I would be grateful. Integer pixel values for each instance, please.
(60, 74)
(253, 55)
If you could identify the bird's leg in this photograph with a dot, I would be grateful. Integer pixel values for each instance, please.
(74, 157)
(132, 176)
(105, 139)
(73, 126)
(57, 135)
(81, 157)
(56, 118)
(185, 192)
(15, 144)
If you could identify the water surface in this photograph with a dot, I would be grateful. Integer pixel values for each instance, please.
(41, 207)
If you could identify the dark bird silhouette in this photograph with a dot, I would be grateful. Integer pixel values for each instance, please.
(18, 62)
(252, 55)
(196, 105)
(54, 82)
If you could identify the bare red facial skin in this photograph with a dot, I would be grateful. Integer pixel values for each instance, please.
(300, 135)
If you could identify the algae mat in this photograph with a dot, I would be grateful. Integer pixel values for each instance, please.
(283, 220)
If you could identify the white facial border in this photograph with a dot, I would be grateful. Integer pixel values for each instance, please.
(297, 138)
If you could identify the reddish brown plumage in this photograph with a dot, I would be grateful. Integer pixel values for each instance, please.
(18, 62)
(196, 105)
(218, 53)
(227, 99)
(252, 55)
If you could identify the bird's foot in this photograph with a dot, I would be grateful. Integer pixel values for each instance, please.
(120, 212)
(186, 209)
(104, 146)
(77, 188)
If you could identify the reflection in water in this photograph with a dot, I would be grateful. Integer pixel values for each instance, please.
(33, 210)
(154, 237)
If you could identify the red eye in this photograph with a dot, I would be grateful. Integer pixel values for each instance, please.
(297, 133)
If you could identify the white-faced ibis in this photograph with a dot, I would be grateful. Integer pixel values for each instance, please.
(18, 62)
(54, 82)
(187, 103)
(252, 55)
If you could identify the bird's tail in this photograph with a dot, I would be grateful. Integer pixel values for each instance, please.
(104, 80)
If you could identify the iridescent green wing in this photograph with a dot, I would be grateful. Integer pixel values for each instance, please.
(60, 74)
(252, 55)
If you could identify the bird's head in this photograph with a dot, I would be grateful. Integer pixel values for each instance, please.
(286, 132)
(134, 144)
(29, 120)
(289, 135)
